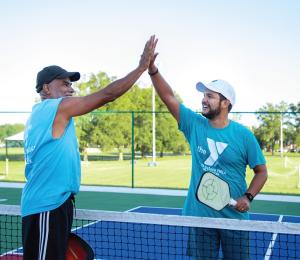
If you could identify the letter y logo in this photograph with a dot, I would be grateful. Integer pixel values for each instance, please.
(215, 148)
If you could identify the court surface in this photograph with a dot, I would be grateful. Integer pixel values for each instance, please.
(116, 244)
(279, 241)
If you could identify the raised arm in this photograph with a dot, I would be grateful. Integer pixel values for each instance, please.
(163, 89)
(76, 106)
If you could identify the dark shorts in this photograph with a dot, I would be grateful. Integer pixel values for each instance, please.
(210, 243)
(45, 235)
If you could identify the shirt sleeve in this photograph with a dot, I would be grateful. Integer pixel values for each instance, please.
(254, 152)
(187, 120)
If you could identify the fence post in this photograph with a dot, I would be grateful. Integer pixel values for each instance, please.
(281, 135)
(285, 161)
(299, 176)
(132, 149)
(6, 167)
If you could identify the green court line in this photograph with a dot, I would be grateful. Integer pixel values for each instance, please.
(123, 201)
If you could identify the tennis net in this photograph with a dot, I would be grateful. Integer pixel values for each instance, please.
(128, 235)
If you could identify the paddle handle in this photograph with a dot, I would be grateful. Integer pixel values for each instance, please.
(232, 202)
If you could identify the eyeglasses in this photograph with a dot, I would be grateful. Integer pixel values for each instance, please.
(67, 83)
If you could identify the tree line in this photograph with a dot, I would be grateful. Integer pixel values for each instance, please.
(110, 127)
(7, 130)
(113, 130)
(107, 130)
(270, 118)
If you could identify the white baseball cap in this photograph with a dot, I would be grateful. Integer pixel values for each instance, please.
(219, 86)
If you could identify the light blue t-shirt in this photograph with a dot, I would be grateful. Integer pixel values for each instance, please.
(225, 152)
(52, 167)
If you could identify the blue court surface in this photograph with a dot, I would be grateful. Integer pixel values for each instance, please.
(276, 246)
(116, 241)
(144, 241)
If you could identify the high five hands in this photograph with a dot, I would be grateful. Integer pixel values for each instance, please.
(148, 53)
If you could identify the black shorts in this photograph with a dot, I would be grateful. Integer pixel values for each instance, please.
(45, 235)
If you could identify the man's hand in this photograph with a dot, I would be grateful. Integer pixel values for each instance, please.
(243, 204)
(148, 53)
(152, 67)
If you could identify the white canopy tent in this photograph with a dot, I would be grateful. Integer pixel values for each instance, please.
(16, 137)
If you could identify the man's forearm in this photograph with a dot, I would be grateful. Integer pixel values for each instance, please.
(166, 94)
(120, 86)
(76, 106)
(161, 86)
(258, 181)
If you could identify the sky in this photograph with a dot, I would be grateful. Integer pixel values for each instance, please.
(252, 44)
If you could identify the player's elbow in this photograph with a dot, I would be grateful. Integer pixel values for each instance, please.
(264, 174)
(110, 96)
(262, 171)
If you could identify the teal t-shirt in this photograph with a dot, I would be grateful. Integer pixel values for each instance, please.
(52, 165)
(225, 152)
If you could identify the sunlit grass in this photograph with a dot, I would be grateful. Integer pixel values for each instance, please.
(171, 172)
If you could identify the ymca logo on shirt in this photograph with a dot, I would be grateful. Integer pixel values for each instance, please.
(215, 148)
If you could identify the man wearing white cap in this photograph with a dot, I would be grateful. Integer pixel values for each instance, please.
(223, 147)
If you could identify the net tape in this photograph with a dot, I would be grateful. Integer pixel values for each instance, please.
(173, 220)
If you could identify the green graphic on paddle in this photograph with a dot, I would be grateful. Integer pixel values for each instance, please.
(214, 192)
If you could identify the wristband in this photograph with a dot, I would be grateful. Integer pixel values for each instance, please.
(153, 73)
(249, 196)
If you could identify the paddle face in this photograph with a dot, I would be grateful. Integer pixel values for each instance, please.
(213, 191)
(78, 249)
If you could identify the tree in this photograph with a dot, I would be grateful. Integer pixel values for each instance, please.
(7, 130)
(98, 128)
(111, 126)
(88, 126)
(169, 138)
(295, 123)
(268, 132)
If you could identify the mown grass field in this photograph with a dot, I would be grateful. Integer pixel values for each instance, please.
(171, 172)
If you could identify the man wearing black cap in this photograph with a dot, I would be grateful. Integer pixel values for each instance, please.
(52, 158)
(48, 74)
(224, 148)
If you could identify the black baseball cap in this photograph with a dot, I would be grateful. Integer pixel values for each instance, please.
(47, 74)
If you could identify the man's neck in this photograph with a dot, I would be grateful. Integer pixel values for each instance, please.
(219, 122)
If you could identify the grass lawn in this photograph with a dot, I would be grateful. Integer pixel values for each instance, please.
(12, 150)
(171, 172)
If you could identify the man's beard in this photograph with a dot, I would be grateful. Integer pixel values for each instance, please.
(212, 113)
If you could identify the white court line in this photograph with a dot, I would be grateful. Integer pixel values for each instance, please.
(272, 242)
(165, 192)
(152, 207)
(138, 207)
